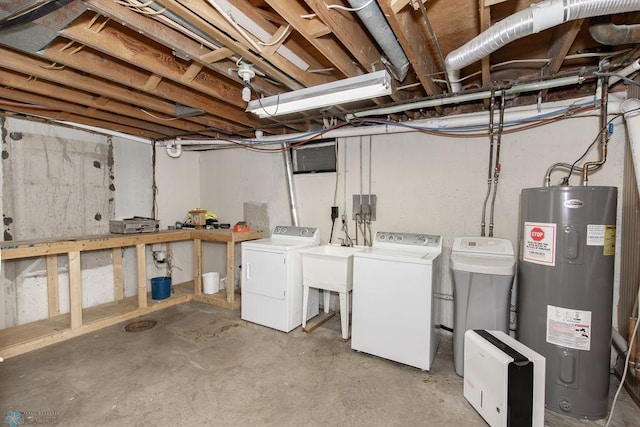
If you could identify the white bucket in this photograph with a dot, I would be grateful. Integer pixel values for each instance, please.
(211, 283)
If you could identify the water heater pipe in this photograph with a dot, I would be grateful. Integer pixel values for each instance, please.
(490, 167)
(604, 134)
(497, 166)
(536, 18)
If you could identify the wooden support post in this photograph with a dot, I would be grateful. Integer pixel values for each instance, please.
(52, 285)
(118, 280)
(231, 254)
(75, 290)
(197, 266)
(142, 275)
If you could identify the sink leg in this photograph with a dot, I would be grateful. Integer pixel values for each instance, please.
(344, 314)
(305, 305)
(327, 300)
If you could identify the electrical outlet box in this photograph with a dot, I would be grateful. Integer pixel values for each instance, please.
(364, 207)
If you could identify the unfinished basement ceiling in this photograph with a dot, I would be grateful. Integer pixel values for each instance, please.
(169, 68)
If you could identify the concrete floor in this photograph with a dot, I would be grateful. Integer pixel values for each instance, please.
(204, 366)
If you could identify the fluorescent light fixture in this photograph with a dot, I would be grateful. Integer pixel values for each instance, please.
(335, 93)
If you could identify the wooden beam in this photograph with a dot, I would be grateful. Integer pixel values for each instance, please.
(191, 73)
(81, 119)
(415, 44)
(217, 55)
(68, 78)
(126, 48)
(97, 64)
(348, 30)
(203, 17)
(197, 266)
(231, 272)
(53, 285)
(75, 290)
(562, 39)
(188, 47)
(291, 11)
(141, 260)
(277, 39)
(118, 278)
(59, 106)
(56, 92)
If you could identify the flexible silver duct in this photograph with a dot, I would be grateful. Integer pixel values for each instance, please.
(536, 18)
(371, 16)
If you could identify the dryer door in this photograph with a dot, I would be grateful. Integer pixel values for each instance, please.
(264, 273)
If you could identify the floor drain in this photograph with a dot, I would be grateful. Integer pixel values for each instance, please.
(140, 325)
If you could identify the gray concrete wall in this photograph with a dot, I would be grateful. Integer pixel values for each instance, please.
(59, 182)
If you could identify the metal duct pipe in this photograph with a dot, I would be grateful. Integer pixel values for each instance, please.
(372, 17)
(536, 18)
(605, 32)
(291, 189)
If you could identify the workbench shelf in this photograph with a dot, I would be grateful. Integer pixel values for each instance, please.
(60, 327)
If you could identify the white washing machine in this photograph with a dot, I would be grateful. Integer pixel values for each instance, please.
(272, 278)
(393, 314)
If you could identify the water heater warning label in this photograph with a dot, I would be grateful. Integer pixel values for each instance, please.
(539, 246)
(569, 328)
(602, 235)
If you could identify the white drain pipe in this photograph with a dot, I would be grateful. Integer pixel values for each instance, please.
(631, 110)
(536, 18)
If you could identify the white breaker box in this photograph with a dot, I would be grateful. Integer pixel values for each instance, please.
(503, 379)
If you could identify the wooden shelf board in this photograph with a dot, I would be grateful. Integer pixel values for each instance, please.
(21, 339)
(219, 299)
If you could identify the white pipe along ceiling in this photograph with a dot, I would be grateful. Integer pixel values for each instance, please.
(538, 17)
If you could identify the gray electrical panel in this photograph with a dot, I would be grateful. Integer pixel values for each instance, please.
(565, 292)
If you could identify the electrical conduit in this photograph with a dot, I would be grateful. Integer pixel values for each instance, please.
(536, 18)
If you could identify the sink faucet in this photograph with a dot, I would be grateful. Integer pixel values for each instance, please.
(347, 243)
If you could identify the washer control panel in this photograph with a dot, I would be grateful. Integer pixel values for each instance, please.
(407, 239)
(291, 231)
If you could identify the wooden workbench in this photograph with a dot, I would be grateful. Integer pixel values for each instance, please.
(59, 327)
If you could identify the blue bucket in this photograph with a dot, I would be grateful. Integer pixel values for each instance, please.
(160, 287)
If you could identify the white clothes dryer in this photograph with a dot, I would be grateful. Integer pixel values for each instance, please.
(272, 278)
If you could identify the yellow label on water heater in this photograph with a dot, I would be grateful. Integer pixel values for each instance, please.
(609, 240)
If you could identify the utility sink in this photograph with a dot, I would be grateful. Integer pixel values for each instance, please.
(328, 267)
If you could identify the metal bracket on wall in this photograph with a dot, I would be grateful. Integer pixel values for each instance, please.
(364, 207)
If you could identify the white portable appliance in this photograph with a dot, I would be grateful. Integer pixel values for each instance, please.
(503, 379)
(393, 314)
(272, 278)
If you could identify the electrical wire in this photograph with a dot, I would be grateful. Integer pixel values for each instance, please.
(348, 9)
(284, 34)
(593, 143)
(512, 126)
